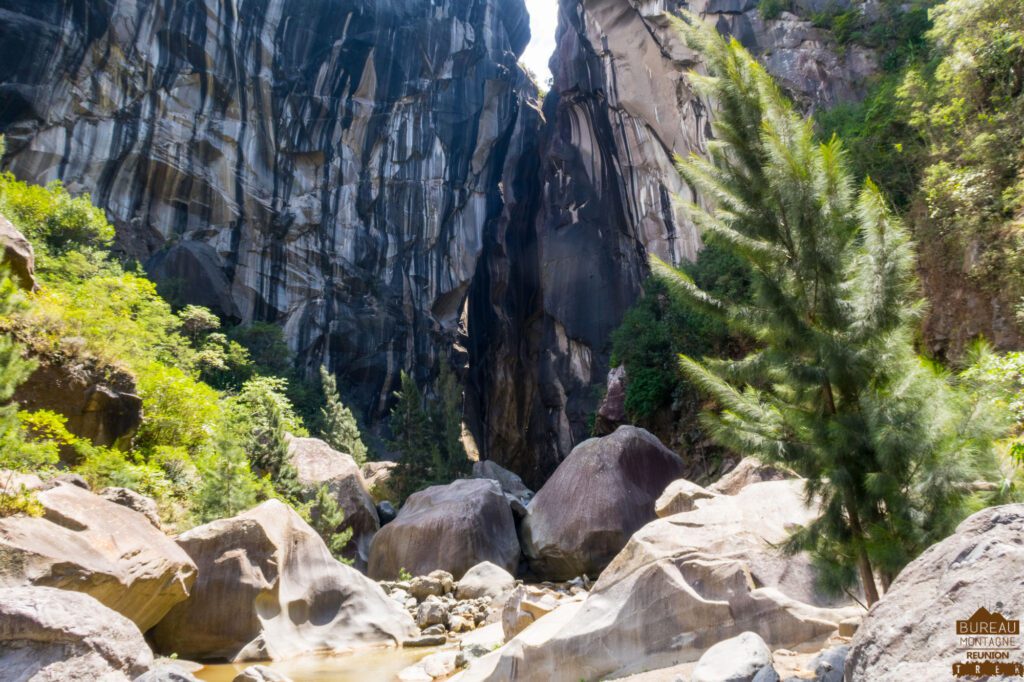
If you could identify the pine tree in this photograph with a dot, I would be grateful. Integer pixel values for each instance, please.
(835, 390)
(451, 459)
(338, 425)
(413, 436)
(327, 517)
(14, 369)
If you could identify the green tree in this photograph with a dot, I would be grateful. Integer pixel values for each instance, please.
(450, 459)
(14, 369)
(413, 437)
(338, 426)
(834, 390)
(327, 517)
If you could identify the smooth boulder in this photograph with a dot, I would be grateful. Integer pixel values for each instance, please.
(681, 585)
(911, 633)
(597, 498)
(515, 491)
(269, 588)
(378, 480)
(748, 471)
(680, 496)
(317, 464)
(88, 544)
(51, 635)
(485, 580)
(448, 527)
(738, 659)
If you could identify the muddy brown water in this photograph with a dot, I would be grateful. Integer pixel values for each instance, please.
(380, 665)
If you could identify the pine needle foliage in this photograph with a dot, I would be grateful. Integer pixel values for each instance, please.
(834, 390)
(338, 426)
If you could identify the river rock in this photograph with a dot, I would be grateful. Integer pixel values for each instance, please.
(431, 611)
(260, 673)
(268, 587)
(167, 672)
(436, 583)
(910, 634)
(88, 544)
(525, 605)
(448, 527)
(679, 497)
(599, 496)
(317, 464)
(485, 580)
(681, 585)
(51, 635)
(829, 665)
(18, 255)
(749, 470)
(134, 501)
(735, 660)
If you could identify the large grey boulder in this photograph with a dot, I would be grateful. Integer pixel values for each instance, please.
(512, 486)
(450, 527)
(317, 464)
(597, 498)
(51, 635)
(911, 633)
(268, 587)
(681, 585)
(88, 544)
(18, 255)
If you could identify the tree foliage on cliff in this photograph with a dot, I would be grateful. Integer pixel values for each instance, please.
(338, 426)
(203, 451)
(834, 389)
(944, 137)
(427, 433)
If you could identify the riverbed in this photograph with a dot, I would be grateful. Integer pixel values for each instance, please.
(380, 665)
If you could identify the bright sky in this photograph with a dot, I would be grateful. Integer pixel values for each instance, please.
(543, 22)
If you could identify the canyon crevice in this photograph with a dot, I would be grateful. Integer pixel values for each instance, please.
(380, 178)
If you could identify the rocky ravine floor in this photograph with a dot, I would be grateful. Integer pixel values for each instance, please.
(695, 591)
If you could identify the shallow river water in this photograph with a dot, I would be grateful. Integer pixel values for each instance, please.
(371, 666)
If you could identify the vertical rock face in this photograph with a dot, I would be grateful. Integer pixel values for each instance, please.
(377, 177)
(571, 248)
(326, 164)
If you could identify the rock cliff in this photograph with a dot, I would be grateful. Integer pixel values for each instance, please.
(328, 165)
(572, 247)
(377, 176)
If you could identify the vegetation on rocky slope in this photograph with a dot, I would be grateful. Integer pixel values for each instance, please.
(834, 388)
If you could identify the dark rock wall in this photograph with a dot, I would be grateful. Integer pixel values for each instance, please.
(329, 165)
(571, 254)
(377, 177)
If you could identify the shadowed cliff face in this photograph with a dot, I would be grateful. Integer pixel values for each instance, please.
(577, 231)
(376, 176)
(329, 165)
